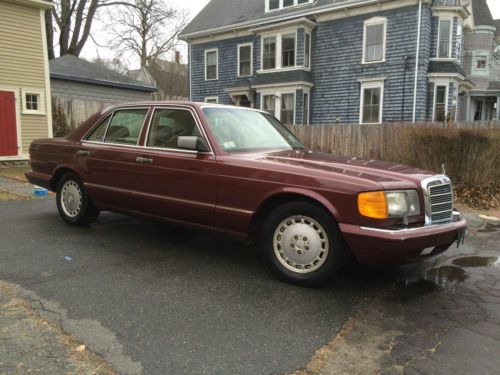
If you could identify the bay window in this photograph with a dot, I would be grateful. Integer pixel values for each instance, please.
(444, 39)
(269, 53)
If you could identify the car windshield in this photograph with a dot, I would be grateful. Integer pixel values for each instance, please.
(243, 130)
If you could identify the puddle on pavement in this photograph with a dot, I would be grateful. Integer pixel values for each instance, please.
(473, 262)
(429, 280)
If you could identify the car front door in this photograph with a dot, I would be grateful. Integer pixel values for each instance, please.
(175, 183)
(108, 158)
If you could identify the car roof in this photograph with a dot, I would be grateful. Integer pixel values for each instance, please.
(199, 105)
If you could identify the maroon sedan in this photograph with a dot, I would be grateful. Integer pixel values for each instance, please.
(241, 172)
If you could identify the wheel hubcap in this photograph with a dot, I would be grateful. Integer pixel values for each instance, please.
(301, 244)
(71, 198)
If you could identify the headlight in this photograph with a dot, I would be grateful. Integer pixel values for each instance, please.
(384, 205)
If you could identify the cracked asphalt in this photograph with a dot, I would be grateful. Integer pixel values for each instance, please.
(145, 298)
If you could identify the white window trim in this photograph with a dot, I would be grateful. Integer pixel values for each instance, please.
(480, 72)
(277, 101)
(450, 38)
(295, 4)
(216, 50)
(279, 50)
(18, 122)
(251, 58)
(41, 105)
(308, 66)
(372, 84)
(208, 98)
(308, 93)
(447, 93)
(373, 22)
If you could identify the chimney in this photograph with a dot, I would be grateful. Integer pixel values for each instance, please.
(177, 57)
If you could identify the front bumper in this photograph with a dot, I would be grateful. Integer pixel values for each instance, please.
(380, 247)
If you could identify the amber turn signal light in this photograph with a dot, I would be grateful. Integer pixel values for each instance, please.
(373, 205)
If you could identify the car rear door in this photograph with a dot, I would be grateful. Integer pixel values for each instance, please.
(173, 183)
(108, 157)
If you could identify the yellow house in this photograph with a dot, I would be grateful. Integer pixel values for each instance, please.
(25, 106)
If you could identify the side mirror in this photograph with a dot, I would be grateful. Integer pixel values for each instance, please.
(192, 143)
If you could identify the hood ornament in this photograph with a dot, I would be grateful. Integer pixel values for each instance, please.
(443, 167)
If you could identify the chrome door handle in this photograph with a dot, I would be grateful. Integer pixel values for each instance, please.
(142, 160)
(83, 153)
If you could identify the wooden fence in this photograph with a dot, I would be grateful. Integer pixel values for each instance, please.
(369, 141)
(77, 111)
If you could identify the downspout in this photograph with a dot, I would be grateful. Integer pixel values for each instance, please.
(190, 72)
(417, 61)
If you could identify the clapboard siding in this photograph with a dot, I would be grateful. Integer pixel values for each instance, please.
(23, 65)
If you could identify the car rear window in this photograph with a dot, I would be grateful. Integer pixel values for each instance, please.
(123, 127)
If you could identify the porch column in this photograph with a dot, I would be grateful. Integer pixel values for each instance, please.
(468, 105)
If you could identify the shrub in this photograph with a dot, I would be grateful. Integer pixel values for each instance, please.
(59, 121)
(471, 157)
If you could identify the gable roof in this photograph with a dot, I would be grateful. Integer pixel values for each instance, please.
(72, 68)
(221, 13)
(482, 14)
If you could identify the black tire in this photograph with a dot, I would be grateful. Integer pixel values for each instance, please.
(284, 234)
(81, 214)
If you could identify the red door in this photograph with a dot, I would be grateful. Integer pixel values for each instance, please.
(8, 127)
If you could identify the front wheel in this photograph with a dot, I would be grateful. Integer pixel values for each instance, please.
(303, 243)
(74, 205)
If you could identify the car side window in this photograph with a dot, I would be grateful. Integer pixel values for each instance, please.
(170, 124)
(99, 132)
(125, 126)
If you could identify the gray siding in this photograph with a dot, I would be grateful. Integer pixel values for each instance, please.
(228, 68)
(337, 67)
(84, 91)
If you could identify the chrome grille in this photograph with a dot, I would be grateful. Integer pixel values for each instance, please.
(439, 200)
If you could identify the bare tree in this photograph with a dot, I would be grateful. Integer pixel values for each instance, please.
(114, 64)
(71, 21)
(148, 29)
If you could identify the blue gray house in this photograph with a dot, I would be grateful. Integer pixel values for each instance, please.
(332, 61)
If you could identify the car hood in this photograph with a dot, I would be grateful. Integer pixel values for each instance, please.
(388, 175)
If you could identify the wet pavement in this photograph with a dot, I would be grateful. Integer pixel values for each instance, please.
(145, 298)
(440, 317)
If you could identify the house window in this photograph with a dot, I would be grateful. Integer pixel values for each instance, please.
(440, 99)
(269, 104)
(372, 94)
(211, 64)
(279, 51)
(481, 63)
(307, 50)
(374, 40)
(444, 38)
(305, 110)
(269, 53)
(280, 4)
(287, 109)
(245, 60)
(33, 102)
(288, 50)
(212, 99)
(274, 4)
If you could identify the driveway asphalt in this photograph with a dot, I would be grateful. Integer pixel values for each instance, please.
(155, 299)
(146, 298)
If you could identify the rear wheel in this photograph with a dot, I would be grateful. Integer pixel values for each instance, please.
(74, 205)
(303, 243)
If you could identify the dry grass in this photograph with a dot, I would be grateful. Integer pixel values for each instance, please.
(15, 172)
(8, 196)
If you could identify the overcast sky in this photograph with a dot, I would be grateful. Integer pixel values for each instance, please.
(195, 6)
